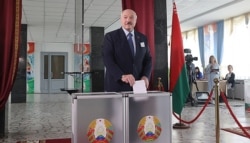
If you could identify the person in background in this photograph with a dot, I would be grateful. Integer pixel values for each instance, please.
(230, 77)
(126, 56)
(198, 73)
(212, 72)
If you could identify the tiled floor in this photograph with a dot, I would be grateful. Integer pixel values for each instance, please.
(49, 116)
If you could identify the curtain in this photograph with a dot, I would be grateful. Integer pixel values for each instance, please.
(201, 45)
(220, 40)
(190, 41)
(145, 23)
(10, 25)
(236, 43)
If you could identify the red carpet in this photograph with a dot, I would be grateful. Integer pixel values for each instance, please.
(67, 140)
(237, 131)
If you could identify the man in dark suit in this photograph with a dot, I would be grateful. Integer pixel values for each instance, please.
(126, 63)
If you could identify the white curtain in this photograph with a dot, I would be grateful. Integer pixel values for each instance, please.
(190, 41)
(236, 45)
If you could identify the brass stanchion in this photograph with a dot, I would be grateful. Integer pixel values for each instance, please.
(217, 113)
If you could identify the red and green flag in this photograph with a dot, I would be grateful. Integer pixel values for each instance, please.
(178, 72)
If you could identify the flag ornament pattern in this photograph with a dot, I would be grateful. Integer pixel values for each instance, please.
(178, 72)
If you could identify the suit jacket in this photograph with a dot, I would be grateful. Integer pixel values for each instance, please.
(118, 59)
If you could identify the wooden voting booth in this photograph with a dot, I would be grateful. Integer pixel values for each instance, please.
(121, 117)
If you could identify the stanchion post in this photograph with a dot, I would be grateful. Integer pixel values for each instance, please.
(217, 113)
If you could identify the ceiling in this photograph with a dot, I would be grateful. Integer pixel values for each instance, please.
(53, 21)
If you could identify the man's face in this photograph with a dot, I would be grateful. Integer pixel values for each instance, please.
(128, 19)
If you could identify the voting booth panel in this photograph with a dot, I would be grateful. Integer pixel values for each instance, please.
(97, 116)
(247, 95)
(148, 117)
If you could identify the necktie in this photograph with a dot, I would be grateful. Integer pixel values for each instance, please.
(130, 41)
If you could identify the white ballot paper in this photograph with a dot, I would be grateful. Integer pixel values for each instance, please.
(139, 87)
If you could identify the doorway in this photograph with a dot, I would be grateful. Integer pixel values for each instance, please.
(53, 66)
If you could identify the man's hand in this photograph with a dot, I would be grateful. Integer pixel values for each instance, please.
(129, 78)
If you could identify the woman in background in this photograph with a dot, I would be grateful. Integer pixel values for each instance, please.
(230, 77)
(198, 73)
(212, 72)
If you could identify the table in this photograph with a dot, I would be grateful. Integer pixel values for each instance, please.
(203, 86)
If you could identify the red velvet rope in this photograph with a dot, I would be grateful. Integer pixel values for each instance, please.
(222, 94)
(232, 114)
(203, 108)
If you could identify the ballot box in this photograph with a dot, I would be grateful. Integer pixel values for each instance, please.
(97, 117)
(148, 117)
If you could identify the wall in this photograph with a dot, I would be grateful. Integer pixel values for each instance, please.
(59, 47)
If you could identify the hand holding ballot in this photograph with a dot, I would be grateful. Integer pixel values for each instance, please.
(129, 78)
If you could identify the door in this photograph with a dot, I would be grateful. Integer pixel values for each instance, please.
(53, 64)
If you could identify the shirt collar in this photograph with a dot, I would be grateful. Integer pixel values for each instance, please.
(126, 32)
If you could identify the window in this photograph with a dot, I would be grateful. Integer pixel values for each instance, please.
(236, 45)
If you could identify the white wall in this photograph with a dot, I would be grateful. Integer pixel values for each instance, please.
(59, 47)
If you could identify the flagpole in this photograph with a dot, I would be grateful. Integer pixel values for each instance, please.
(179, 85)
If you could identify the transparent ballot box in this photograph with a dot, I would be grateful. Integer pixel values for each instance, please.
(148, 117)
(97, 117)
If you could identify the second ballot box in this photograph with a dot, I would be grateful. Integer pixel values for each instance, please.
(148, 117)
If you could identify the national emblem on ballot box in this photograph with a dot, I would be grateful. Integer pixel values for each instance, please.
(149, 128)
(100, 131)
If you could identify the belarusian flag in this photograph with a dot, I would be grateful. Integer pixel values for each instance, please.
(178, 72)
